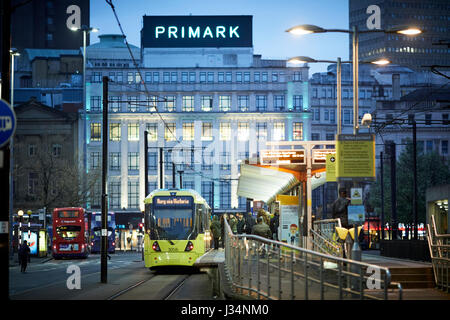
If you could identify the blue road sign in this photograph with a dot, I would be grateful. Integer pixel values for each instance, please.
(7, 122)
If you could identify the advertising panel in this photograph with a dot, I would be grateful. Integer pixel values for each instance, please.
(279, 157)
(356, 215)
(196, 31)
(31, 241)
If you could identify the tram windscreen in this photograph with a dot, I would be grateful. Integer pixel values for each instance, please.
(98, 232)
(173, 224)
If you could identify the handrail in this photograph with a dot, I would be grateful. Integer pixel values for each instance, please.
(249, 257)
(439, 247)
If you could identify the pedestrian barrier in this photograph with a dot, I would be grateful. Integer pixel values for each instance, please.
(259, 268)
(439, 245)
(325, 239)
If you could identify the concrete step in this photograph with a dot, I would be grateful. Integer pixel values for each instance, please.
(413, 278)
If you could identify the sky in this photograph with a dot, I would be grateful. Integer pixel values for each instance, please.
(270, 20)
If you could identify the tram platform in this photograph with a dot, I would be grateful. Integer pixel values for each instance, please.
(416, 277)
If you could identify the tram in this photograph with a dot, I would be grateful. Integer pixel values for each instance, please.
(177, 225)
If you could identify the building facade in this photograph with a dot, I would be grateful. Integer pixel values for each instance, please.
(415, 52)
(205, 107)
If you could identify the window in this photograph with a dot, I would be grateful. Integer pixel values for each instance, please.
(114, 131)
(166, 77)
(188, 103)
(169, 132)
(96, 103)
(278, 131)
(224, 103)
(114, 160)
(274, 76)
(428, 119)
(429, 146)
(257, 77)
(192, 77)
(329, 93)
(445, 121)
(152, 160)
(243, 103)
(184, 77)
(347, 117)
(96, 131)
(225, 195)
(261, 103)
(264, 77)
(297, 130)
(202, 77)
(225, 161)
(114, 104)
(169, 104)
(326, 115)
(33, 180)
(32, 150)
(316, 114)
(114, 194)
(133, 194)
(206, 102)
(49, 36)
(174, 77)
(225, 131)
(345, 95)
(152, 131)
(148, 77)
(207, 190)
(119, 76)
(298, 102)
(133, 104)
(243, 131)
(221, 77)
(95, 160)
(207, 131)
(315, 136)
(208, 158)
(96, 77)
(133, 132)
(444, 147)
(332, 116)
(210, 77)
(297, 76)
(155, 77)
(138, 77)
(228, 77)
(130, 77)
(133, 160)
(278, 102)
(261, 130)
(188, 131)
(246, 77)
(152, 104)
(56, 150)
(239, 77)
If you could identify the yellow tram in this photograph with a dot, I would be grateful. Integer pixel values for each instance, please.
(177, 227)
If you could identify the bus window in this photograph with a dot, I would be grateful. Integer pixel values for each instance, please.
(68, 232)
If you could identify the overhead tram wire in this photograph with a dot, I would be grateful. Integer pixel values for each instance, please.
(136, 67)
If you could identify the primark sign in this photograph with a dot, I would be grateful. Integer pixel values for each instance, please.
(196, 31)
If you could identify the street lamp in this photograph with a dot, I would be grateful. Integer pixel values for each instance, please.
(85, 29)
(307, 28)
(29, 223)
(13, 53)
(304, 59)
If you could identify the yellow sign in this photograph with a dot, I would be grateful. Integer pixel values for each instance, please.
(355, 157)
(331, 167)
(287, 200)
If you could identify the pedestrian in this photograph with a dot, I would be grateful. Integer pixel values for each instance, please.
(339, 208)
(233, 223)
(274, 223)
(249, 223)
(24, 256)
(222, 224)
(263, 230)
(216, 231)
(240, 223)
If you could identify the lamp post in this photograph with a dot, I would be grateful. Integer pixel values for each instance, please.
(29, 223)
(307, 29)
(14, 53)
(86, 30)
(20, 214)
(303, 59)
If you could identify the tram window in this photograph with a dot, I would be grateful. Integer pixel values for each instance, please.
(173, 225)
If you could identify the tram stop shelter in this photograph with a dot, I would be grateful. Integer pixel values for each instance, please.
(287, 168)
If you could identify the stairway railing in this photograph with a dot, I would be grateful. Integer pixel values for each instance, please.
(439, 245)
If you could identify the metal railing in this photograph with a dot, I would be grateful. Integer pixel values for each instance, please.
(325, 239)
(439, 245)
(260, 268)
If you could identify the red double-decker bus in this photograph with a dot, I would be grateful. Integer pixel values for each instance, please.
(70, 233)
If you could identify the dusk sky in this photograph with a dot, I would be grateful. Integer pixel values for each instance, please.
(270, 20)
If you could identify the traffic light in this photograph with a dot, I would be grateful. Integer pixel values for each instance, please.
(141, 228)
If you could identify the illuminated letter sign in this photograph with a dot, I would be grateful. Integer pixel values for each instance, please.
(196, 31)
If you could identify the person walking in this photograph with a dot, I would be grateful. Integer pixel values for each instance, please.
(274, 223)
(24, 256)
(216, 231)
(240, 223)
(233, 223)
(263, 230)
(249, 223)
(339, 208)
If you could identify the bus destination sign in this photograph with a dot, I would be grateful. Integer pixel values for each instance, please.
(173, 201)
